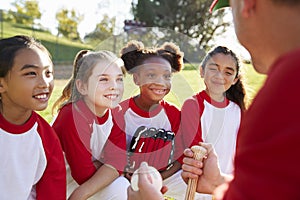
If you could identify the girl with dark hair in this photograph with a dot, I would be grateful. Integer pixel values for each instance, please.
(96, 154)
(214, 114)
(32, 164)
(150, 123)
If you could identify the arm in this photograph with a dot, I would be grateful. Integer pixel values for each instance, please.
(52, 185)
(189, 133)
(76, 153)
(103, 177)
(114, 159)
(173, 169)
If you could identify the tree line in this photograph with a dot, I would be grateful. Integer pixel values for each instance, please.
(190, 18)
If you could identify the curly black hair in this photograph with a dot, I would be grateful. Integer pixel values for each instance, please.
(135, 53)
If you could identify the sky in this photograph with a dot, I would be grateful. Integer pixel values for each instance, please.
(93, 10)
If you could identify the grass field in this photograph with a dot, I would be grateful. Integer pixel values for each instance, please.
(184, 84)
(61, 48)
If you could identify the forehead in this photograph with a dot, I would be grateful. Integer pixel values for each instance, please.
(106, 67)
(31, 56)
(155, 63)
(223, 60)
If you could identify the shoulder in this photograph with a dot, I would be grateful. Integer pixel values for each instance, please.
(169, 106)
(46, 132)
(193, 101)
(42, 123)
(125, 103)
(121, 108)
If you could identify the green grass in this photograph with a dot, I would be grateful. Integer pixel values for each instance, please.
(184, 84)
(61, 49)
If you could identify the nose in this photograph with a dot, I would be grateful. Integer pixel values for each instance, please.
(113, 85)
(161, 80)
(219, 74)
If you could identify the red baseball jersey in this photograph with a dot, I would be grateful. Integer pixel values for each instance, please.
(86, 138)
(32, 164)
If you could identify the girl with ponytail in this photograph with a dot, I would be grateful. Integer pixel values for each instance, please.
(96, 156)
(214, 114)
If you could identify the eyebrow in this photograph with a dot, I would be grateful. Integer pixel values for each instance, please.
(28, 66)
(228, 68)
(109, 74)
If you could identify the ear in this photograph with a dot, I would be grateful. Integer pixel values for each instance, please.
(201, 71)
(235, 80)
(136, 79)
(2, 84)
(81, 87)
(248, 7)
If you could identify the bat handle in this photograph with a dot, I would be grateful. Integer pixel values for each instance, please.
(199, 153)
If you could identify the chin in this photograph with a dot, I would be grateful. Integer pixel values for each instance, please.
(40, 107)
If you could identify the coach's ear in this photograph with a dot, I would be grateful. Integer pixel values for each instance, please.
(248, 7)
(2, 85)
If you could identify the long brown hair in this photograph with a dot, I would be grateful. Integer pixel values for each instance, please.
(236, 92)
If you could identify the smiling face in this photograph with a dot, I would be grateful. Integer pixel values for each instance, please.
(154, 79)
(104, 88)
(29, 83)
(219, 74)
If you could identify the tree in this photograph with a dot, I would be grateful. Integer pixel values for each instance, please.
(68, 21)
(27, 12)
(104, 29)
(189, 17)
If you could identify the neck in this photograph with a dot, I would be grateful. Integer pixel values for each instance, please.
(97, 110)
(144, 104)
(15, 117)
(216, 97)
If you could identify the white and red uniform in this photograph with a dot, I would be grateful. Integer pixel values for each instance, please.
(155, 132)
(205, 120)
(162, 121)
(32, 164)
(86, 138)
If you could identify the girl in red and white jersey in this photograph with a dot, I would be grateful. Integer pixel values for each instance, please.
(214, 114)
(150, 123)
(95, 155)
(32, 164)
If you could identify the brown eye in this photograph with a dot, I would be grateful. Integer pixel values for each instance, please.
(49, 73)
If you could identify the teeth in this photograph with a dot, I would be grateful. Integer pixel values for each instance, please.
(159, 91)
(42, 96)
(111, 96)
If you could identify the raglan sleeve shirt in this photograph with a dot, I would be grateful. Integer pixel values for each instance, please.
(77, 155)
(190, 127)
(52, 185)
